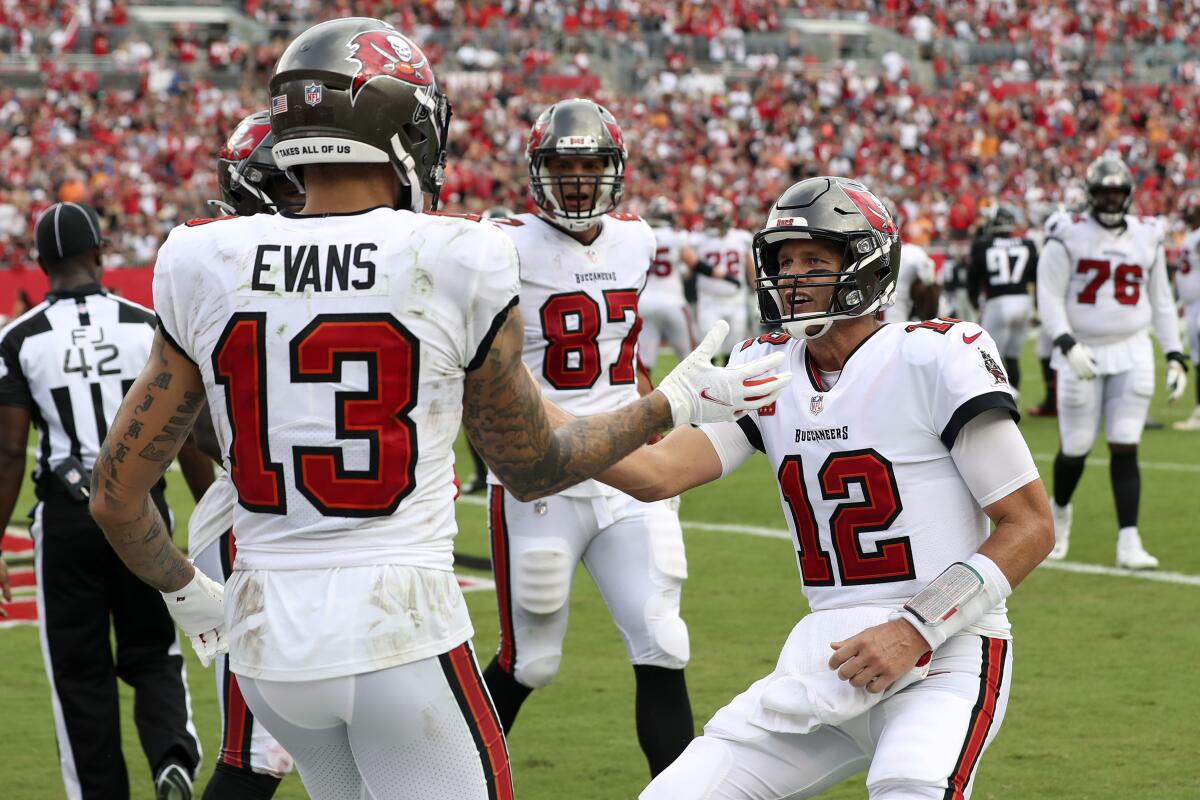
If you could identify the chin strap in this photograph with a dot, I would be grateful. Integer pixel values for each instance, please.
(801, 329)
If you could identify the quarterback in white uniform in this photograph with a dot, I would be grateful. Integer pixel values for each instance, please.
(904, 664)
(1102, 284)
(663, 307)
(338, 349)
(723, 271)
(582, 267)
(1187, 284)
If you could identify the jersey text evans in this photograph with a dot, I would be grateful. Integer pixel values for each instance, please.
(333, 351)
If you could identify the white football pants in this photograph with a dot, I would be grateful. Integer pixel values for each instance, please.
(923, 742)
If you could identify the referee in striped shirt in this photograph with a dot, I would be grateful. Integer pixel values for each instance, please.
(65, 365)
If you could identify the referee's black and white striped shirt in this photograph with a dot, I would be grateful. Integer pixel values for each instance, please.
(70, 360)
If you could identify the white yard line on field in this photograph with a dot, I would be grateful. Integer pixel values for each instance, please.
(1166, 466)
(1064, 566)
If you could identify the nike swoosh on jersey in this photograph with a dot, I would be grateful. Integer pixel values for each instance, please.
(971, 339)
(706, 396)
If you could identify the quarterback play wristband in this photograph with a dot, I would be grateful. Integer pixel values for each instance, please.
(956, 599)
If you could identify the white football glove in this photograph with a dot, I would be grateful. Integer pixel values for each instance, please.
(700, 392)
(1080, 357)
(199, 610)
(1176, 378)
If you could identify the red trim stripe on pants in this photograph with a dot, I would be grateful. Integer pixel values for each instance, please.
(462, 674)
(991, 679)
(238, 724)
(507, 655)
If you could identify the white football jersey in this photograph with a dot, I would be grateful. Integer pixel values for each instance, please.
(1187, 277)
(213, 515)
(664, 281)
(730, 252)
(1106, 286)
(915, 265)
(580, 307)
(333, 351)
(875, 503)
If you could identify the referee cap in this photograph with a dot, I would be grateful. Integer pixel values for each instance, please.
(68, 229)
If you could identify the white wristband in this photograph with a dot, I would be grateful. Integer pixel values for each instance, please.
(956, 599)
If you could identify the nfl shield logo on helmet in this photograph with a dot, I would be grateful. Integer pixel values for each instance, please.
(312, 94)
(816, 404)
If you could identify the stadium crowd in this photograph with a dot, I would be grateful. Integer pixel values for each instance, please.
(144, 157)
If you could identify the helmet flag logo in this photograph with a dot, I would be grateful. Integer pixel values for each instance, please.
(386, 54)
(872, 209)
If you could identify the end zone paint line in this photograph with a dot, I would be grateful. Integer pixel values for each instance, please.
(1178, 578)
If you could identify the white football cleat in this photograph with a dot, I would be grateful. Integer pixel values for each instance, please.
(1192, 423)
(1062, 530)
(1131, 554)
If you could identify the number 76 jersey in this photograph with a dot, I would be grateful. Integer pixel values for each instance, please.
(875, 502)
(1104, 285)
(333, 351)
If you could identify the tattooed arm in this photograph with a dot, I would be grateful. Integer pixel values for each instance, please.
(533, 456)
(151, 425)
(197, 468)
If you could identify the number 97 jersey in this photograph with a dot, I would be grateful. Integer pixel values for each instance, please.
(333, 351)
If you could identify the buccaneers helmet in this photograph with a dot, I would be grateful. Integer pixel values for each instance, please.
(356, 90)
(250, 181)
(661, 212)
(1109, 190)
(835, 209)
(718, 214)
(1189, 207)
(576, 128)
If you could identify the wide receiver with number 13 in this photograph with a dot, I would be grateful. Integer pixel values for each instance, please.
(891, 455)
(338, 349)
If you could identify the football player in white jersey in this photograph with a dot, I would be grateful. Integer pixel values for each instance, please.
(916, 287)
(1187, 284)
(338, 349)
(904, 664)
(663, 308)
(723, 271)
(1002, 270)
(583, 265)
(1102, 284)
(251, 763)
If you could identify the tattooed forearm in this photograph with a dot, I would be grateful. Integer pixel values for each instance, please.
(174, 430)
(505, 419)
(150, 427)
(143, 542)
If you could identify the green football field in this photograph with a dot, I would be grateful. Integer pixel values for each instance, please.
(1103, 702)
